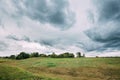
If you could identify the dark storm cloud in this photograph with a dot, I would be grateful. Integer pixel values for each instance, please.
(108, 9)
(114, 44)
(107, 26)
(55, 12)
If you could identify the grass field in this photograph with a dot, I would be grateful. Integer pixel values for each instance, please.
(60, 69)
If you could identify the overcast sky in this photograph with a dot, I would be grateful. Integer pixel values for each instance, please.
(88, 26)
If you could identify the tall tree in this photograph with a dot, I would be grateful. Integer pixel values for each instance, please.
(78, 54)
(22, 55)
(35, 54)
(12, 57)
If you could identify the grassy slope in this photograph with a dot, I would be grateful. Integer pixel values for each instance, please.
(64, 69)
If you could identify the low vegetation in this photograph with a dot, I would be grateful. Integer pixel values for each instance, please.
(42, 68)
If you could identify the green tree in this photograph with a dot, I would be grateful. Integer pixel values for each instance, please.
(43, 55)
(71, 55)
(35, 54)
(53, 55)
(66, 55)
(78, 54)
(83, 55)
(22, 55)
(12, 57)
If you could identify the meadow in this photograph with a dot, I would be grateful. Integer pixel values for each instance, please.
(60, 69)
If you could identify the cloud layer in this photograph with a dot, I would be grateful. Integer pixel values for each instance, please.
(54, 12)
(106, 25)
(46, 26)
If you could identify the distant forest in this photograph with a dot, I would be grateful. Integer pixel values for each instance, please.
(24, 55)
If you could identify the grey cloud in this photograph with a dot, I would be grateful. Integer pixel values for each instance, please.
(13, 37)
(3, 46)
(48, 42)
(107, 27)
(26, 15)
(55, 12)
(108, 9)
(25, 26)
(55, 42)
(114, 44)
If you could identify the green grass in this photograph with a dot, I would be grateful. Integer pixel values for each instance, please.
(11, 73)
(60, 69)
(71, 63)
(14, 73)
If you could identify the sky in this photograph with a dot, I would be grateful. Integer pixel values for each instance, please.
(45, 26)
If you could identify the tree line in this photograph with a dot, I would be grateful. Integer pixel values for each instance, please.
(24, 55)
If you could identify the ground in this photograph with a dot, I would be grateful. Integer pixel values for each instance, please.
(60, 69)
